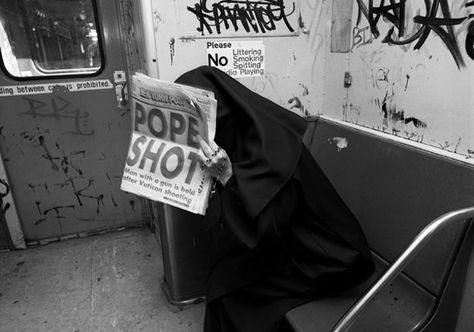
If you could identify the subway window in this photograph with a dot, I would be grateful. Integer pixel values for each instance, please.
(49, 38)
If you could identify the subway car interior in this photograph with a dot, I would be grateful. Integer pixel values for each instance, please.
(386, 89)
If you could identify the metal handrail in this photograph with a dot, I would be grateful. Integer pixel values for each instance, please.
(402, 261)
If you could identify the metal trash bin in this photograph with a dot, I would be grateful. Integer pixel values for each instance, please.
(186, 245)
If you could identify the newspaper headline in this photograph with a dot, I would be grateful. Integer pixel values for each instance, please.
(162, 162)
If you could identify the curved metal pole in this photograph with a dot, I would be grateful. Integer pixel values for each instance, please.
(416, 245)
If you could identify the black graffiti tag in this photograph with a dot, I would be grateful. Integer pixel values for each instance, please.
(259, 16)
(437, 18)
(432, 22)
(470, 35)
(4, 208)
(393, 12)
(360, 37)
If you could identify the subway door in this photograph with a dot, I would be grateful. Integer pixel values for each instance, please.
(64, 128)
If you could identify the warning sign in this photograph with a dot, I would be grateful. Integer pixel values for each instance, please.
(237, 58)
(34, 89)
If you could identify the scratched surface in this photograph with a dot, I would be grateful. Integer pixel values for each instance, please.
(412, 69)
(131, 28)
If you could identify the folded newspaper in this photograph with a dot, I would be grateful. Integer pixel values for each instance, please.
(162, 162)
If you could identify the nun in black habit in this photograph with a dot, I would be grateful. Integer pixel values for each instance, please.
(282, 234)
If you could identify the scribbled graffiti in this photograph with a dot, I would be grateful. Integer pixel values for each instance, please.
(172, 52)
(470, 153)
(257, 16)
(394, 119)
(447, 145)
(82, 193)
(470, 39)
(157, 19)
(394, 12)
(56, 212)
(35, 187)
(59, 108)
(393, 113)
(299, 102)
(380, 79)
(388, 88)
(62, 160)
(361, 37)
(65, 160)
(437, 18)
(3, 193)
(65, 163)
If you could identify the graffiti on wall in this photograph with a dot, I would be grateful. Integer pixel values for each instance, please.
(4, 193)
(414, 28)
(244, 16)
(53, 141)
(412, 69)
(59, 108)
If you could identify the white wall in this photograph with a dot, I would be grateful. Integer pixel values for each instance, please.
(294, 61)
(422, 95)
(425, 94)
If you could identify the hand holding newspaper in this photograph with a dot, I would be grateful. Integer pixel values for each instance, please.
(162, 162)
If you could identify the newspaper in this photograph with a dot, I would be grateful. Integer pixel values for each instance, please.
(162, 162)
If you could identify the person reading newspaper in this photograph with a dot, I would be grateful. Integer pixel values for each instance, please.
(163, 153)
(282, 234)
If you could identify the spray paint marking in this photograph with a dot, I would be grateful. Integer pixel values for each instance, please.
(297, 102)
(113, 200)
(59, 108)
(440, 23)
(80, 193)
(38, 203)
(47, 154)
(259, 16)
(360, 37)
(394, 12)
(65, 161)
(34, 186)
(172, 42)
(55, 209)
(470, 40)
(4, 208)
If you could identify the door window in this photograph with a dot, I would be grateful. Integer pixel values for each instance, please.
(49, 38)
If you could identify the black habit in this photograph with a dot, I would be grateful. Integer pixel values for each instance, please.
(282, 234)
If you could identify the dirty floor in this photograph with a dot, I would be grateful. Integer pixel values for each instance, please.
(108, 282)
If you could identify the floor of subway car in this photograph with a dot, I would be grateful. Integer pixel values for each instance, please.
(108, 282)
